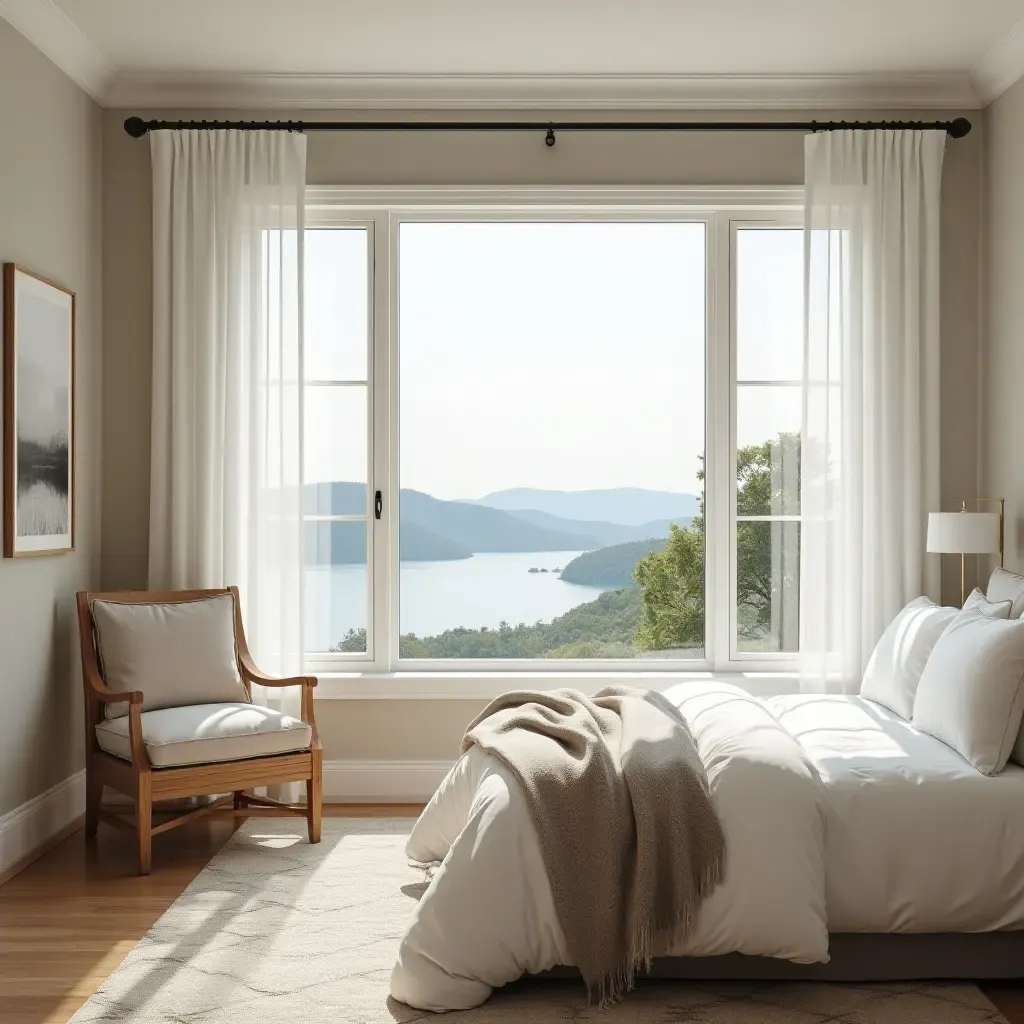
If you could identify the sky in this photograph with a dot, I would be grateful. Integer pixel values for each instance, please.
(563, 355)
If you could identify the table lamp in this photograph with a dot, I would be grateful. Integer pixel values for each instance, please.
(966, 533)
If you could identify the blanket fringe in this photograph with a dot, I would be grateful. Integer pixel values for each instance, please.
(428, 867)
(649, 940)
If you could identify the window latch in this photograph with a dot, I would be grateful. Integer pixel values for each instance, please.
(378, 505)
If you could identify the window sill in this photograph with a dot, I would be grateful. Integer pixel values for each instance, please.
(486, 685)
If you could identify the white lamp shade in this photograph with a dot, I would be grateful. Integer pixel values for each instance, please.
(963, 533)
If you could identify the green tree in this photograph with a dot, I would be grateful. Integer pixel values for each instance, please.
(672, 580)
(672, 592)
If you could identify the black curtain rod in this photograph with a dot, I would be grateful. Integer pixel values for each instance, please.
(136, 127)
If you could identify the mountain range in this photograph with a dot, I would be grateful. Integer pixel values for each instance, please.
(629, 506)
(432, 529)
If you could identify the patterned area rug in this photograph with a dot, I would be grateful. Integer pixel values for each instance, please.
(275, 930)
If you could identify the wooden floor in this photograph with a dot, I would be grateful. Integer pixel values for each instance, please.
(69, 918)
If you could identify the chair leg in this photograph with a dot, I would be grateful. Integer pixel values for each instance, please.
(239, 799)
(314, 805)
(144, 822)
(93, 797)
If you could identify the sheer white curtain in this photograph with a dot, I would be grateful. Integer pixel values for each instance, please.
(870, 455)
(226, 478)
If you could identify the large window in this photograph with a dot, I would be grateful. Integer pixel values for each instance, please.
(554, 435)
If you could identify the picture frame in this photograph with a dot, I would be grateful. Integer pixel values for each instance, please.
(38, 414)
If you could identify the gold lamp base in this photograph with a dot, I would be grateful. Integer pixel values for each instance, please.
(963, 557)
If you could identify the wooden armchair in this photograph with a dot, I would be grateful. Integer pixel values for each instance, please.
(174, 744)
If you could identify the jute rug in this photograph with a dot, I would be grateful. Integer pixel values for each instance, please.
(275, 931)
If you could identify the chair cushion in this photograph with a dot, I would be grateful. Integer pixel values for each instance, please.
(207, 732)
(177, 654)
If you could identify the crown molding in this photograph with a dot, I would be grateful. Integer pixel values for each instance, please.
(45, 25)
(1001, 66)
(162, 91)
(50, 30)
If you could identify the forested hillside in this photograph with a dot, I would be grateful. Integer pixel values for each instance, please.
(611, 566)
(602, 628)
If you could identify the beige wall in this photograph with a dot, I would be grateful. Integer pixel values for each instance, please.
(394, 730)
(425, 730)
(50, 222)
(1003, 421)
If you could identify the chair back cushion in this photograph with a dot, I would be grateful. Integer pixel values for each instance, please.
(177, 654)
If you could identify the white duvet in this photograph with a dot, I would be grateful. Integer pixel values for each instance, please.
(839, 816)
(916, 838)
(487, 916)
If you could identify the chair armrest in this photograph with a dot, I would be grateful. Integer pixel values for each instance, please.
(124, 697)
(99, 690)
(278, 683)
(253, 675)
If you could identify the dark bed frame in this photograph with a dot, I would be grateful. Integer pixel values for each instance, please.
(980, 956)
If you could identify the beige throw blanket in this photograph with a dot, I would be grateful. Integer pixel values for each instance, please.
(619, 797)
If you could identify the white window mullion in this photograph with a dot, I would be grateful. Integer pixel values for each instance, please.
(380, 582)
(387, 427)
(718, 457)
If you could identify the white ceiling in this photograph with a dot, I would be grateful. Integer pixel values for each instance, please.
(510, 52)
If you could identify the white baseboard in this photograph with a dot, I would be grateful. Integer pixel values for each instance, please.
(35, 822)
(367, 782)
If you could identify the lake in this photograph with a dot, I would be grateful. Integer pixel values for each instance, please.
(434, 596)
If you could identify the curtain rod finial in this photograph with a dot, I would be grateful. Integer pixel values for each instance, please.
(960, 127)
(136, 127)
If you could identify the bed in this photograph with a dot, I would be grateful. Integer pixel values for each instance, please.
(857, 848)
(916, 839)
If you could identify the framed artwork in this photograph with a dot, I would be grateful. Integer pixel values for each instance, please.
(39, 415)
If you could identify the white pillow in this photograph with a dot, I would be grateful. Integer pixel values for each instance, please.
(977, 601)
(1004, 585)
(1004, 600)
(899, 657)
(177, 654)
(971, 694)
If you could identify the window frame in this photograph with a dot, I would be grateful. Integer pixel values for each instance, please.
(383, 211)
(372, 625)
(738, 658)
